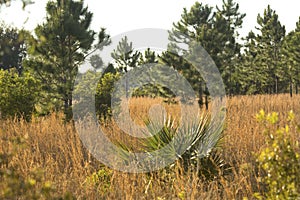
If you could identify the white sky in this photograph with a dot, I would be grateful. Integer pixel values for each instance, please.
(119, 16)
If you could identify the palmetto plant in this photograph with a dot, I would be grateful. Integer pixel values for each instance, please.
(194, 143)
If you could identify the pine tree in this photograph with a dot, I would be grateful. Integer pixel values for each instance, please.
(60, 46)
(12, 48)
(228, 21)
(216, 31)
(262, 69)
(250, 75)
(125, 56)
(269, 41)
(195, 24)
(149, 57)
(292, 58)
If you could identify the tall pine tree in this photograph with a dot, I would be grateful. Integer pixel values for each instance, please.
(61, 44)
(216, 31)
(269, 45)
(292, 59)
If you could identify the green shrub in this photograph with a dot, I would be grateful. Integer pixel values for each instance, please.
(18, 94)
(279, 159)
(101, 180)
(104, 91)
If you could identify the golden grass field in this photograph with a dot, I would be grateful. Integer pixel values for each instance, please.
(51, 154)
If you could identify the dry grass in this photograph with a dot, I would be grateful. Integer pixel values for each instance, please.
(54, 148)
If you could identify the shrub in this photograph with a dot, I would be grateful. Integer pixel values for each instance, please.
(18, 94)
(101, 180)
(103, 95)
(279, 159)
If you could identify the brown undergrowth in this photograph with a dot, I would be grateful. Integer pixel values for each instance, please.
(48, 147)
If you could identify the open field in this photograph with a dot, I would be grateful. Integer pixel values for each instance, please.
(49, 153)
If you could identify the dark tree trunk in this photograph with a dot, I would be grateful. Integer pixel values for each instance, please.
(276, 85)
(66, 105)
(200, 101)
(206, 98)
(291, 88)
(206, 102)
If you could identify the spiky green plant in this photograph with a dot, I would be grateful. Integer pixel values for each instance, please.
(194, 143)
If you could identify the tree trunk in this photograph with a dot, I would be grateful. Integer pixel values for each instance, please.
(66, 106)
(206, 102)
(276, 85)
(291, 88)
(200, 101)
(206, 98)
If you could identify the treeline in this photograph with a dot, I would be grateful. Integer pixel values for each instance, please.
(40, 68)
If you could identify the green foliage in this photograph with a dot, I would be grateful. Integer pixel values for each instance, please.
(262, 70)
(101, 180)
(291, 53)
(103, 96)
(19, 94)
(84, 89)
(60, 46)
(217, 33)
(279, 158)
(151, 90)
(95, 87)
(8, 2)
(191, 139)
(125, 56)
(12, 48)
(149, 59)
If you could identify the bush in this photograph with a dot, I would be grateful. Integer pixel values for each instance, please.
(101, 180)
(103, 95)
(279, 159)
(18, 94)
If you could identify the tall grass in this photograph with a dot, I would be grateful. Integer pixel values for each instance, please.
(54, 150)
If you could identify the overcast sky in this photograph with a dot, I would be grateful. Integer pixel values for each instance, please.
(119, 16)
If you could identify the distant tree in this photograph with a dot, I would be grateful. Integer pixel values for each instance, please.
(263, 56)
(60, 46)
(250, 75)
(291, 51)
(216, 31)
(148, 58)
(270, 42)
(12, 48)
(96, 62)
(125, 56)
(195, 24)
(8, 2)
(228, 21)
